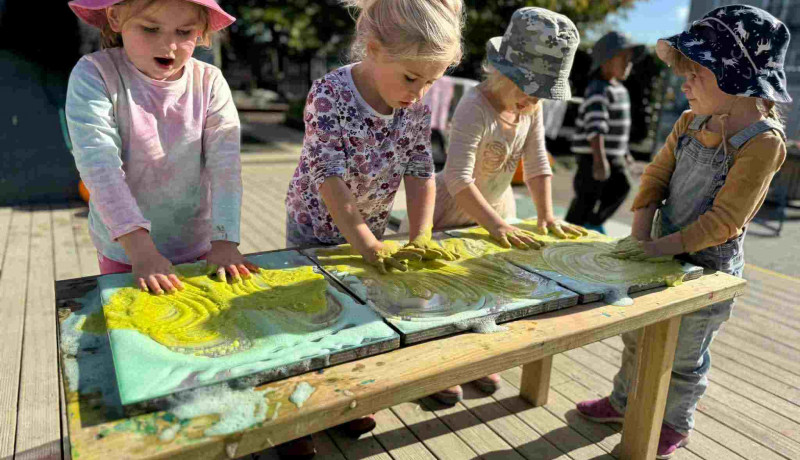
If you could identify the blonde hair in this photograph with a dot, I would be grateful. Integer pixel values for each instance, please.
(498, 83)
(683, 65)
(428, 30)
(132, 8)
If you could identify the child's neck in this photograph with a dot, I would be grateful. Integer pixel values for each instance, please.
(366, 88)
(496, 102)
(742, 114)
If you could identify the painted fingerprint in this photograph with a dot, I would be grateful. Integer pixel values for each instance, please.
(213, 318)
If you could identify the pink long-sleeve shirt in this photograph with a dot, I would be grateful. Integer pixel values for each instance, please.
(157, 155)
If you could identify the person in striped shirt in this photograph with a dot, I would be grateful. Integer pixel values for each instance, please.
(601, 137)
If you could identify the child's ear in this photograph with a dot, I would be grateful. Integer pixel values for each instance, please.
(112, 14)
(374, 49)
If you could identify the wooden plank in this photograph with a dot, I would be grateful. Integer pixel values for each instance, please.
(5, 228)
(13, 286)
(399, 442)
(38, 418)
(506, 413)
(365, 447)
(759, 345)
(747, 427)
(411, 375)
(751, 308)
(648, 398)
(65, 251)
(87, 253)
(775, 331)
(477, 435)
(432, 432)
(536, 381)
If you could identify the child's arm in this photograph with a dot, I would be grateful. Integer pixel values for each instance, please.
(740, 197)
(596, 123)
(221, 151)
(342, 205)
(538, 178)
(420, 199)
(97, 151)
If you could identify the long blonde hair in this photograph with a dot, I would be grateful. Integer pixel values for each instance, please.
(683, 65)
(130, 9)
(428, 30)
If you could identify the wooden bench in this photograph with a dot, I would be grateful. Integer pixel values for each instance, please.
(421, 369)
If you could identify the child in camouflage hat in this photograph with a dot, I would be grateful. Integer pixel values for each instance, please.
(496, 124)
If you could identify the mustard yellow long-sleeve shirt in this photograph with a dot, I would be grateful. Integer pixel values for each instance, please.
(737, 202)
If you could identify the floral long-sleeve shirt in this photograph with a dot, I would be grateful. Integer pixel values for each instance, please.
(371, 152)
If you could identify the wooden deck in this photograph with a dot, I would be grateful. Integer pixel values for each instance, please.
(751, 409)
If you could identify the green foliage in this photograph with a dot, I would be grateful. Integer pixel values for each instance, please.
(305, 27)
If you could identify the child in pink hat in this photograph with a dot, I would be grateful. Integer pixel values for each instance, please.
(155, 138)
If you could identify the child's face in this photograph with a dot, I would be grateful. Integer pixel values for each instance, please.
(161, 39)
(519, 102)
(401, 83)
(703, 93)
(619, 67)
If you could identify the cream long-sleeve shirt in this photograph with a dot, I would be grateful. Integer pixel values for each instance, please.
(485, 149)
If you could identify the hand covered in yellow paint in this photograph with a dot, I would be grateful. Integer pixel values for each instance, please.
(424, 248)
(560, 229)
(381, 257)
(508, 235)
(225, 257)
(629, 248)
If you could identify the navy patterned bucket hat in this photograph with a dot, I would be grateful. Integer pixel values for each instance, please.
(743, 45)
(536, 52)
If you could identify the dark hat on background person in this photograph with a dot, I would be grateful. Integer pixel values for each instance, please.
(744, 46)
(612, 43)
(536, 52)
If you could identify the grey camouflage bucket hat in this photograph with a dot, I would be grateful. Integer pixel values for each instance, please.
(536, 52)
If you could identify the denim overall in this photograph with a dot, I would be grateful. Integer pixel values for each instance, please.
(699, 174)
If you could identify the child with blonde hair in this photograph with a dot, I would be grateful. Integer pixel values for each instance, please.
(156, 141)
(705, 186)
(496, 124)
(366, 132)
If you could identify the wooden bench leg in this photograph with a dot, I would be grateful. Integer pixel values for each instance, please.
(648, 396)
(536, 381)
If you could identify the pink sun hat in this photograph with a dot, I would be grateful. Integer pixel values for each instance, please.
(93, 12)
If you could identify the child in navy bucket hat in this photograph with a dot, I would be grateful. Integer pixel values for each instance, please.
(704, 187)
(602, 130)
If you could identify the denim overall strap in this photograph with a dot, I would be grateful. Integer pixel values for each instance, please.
(698, 122)
(755, 129)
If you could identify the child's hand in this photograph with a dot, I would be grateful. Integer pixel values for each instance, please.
(422, 246)
(154, 273)
(560, 229)
(601, 169)
(225, 256)
(508, 235)
(644, 251)
(381, 257)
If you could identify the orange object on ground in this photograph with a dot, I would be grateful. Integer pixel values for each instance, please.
(83, 191)
(518, 178)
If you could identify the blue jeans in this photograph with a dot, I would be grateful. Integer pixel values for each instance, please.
(689, 370)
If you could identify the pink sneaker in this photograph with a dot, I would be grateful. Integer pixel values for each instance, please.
(669, 441)
(600, 410)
